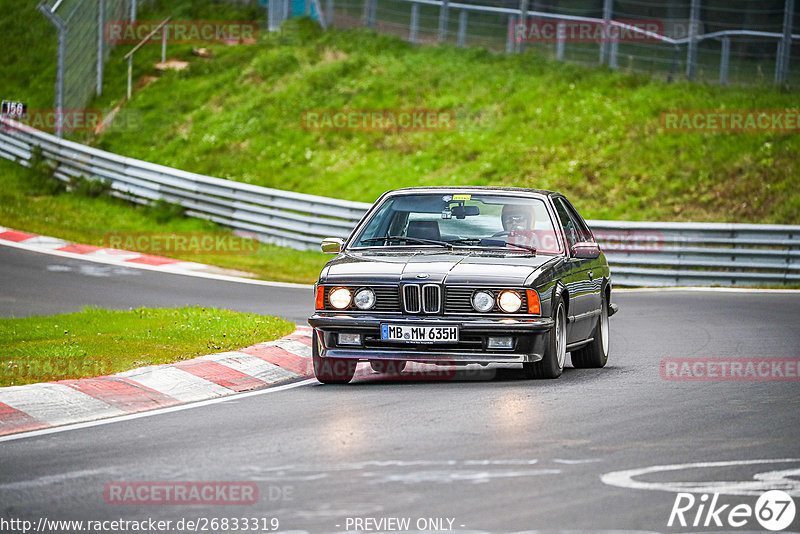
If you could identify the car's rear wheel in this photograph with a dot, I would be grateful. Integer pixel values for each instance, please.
(389, 367)
(331, 370)
(555, 354)
(595, 354)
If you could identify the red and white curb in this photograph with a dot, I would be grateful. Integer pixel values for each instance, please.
(111, 255)
(65, 249)
(50, 404)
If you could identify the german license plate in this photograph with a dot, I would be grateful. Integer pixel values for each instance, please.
(419, 334)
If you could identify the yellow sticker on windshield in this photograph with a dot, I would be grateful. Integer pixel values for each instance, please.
(462, 197)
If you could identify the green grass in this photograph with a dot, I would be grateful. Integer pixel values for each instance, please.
(28, 202)
(97, 342)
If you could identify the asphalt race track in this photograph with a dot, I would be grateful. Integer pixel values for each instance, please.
(482, 451)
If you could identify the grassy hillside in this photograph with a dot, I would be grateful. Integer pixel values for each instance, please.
(521, 120)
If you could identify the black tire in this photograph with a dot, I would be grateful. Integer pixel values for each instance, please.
(389, 367)
(331, 370)
(555, 352)
(595, 354)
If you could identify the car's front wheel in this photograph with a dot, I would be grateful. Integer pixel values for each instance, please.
(331, 370)
(555, 354)
(595, 354)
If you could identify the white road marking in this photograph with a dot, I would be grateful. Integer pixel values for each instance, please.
(761, 481)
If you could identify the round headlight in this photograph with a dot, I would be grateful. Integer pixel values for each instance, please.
(510, 301)
(483, 301)
(364, 299)
(340, 298)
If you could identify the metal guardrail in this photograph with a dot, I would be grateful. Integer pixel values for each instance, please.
(640, 253)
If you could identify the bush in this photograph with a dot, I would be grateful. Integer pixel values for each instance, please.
(162, 211)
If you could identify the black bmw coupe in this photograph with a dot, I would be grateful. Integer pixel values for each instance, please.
(462, 276)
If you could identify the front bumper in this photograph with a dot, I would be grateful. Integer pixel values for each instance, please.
(529, 338)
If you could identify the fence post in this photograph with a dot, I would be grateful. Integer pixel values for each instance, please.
(785, 47)
(673, 66)
(329, 13)
(101, 22)
(369, 13)
(412, 31)
(523, 17)
(691, 53)
(462, 28)
(608, 13)
(133, 10)
(164, 44)
(612, 58)
(724, 60)
(561, 30)
(130, 77)
(512, 23)
(61, 27)
(443, 15)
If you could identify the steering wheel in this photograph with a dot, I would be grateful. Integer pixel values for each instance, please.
(501, 234)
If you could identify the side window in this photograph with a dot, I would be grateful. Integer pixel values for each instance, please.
(584, 234)
(570, 229)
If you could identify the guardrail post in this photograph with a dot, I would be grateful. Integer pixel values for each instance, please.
(561, 30)
(691, 53)
(414, 27)
(101, 22)
(61, 27)
(724, 60)
(608, 12)
(785, 45)
(443, 16)
(462, 28)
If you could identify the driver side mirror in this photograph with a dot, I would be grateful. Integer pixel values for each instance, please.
(586, 250)
(332, 245)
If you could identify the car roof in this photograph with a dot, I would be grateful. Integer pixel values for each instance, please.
(483, 188)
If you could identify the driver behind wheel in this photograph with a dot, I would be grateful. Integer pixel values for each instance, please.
(516, 218)
(518, 223)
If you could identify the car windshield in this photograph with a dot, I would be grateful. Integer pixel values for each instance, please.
(453, 220)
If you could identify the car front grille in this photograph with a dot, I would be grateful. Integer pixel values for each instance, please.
(427, 299)
(419, 298)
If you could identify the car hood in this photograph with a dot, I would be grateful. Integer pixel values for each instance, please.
(451, 267)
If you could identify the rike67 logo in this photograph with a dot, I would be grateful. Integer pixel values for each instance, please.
(774, 510)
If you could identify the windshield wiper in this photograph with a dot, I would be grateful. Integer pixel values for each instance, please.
(526, 247)
(503, 243)
(407, 240)
(466, 241)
